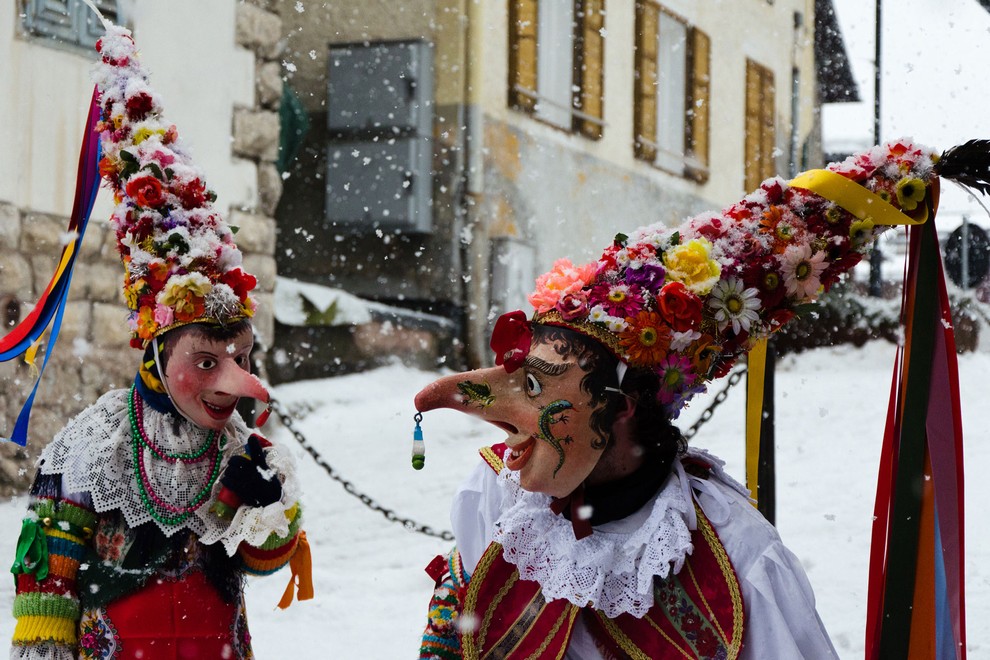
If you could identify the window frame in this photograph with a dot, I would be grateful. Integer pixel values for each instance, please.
(65, 24)
(586, 103)
(695, 88)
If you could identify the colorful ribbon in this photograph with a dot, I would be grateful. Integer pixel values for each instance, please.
(916, 606)
(52, 301)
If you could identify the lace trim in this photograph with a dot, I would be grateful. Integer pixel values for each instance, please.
(93, 455)
(613, 571)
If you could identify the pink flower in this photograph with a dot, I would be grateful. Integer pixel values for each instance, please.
(164, 316)
(802, 270)
(573, 306)
(618, 299)
(562, 279)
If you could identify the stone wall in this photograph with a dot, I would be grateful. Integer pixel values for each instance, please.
(92, 355)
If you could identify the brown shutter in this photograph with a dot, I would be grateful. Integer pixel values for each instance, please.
(522, 54)
(768, 136)
(589, 63)
(698, 102)
(645, 81)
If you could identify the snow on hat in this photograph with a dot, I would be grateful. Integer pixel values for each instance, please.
(686, 302)
(181, 263)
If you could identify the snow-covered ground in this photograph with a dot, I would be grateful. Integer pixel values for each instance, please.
(371, 591)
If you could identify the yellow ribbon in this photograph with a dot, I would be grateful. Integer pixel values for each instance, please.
(756, 366)
(302, 573)
(863, 204)
(855, 198)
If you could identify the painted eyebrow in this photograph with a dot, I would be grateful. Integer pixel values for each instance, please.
(550, 369)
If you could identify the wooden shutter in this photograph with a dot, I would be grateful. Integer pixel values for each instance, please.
(698, 103)
(760, 134)
(645, 82)
(589, 67)
(522, 54)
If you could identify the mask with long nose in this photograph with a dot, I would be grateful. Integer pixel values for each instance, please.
(542, 409)
(205, 377)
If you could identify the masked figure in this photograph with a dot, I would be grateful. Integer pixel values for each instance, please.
(153, 504)
(592, 531)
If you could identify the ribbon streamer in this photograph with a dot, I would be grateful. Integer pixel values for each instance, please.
(916, 602)
(51, 303)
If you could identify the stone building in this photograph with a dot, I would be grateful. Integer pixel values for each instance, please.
(215, 76)
(551, 127)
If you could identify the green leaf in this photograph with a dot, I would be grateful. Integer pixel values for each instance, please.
(155, 171)
(675, 238)
(234, 229)
(169, 173)
(620, 239)
(128, 157)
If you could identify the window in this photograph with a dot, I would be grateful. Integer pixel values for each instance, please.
(67, 22)
(760, 135)
(556, 51)
(672, 96)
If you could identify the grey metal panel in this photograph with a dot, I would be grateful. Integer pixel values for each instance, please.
(383, 184)
(67, 22)
(381, 87)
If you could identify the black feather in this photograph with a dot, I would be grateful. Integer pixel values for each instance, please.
(968, 164)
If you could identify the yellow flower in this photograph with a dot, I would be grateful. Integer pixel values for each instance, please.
(910, 192)
(184, 293)
(860, 231)
(691, 264)
(143, 133)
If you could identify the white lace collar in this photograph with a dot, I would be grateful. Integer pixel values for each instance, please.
(94, 455)
(613, 569)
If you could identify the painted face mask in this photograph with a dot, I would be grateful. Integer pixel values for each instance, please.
(206, 377)
(541, 407)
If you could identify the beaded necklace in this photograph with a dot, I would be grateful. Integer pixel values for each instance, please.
(151, 500)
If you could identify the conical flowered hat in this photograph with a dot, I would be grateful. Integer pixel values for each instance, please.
(181, 263)
(685, 302)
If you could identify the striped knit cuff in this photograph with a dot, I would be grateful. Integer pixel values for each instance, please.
(37, 629)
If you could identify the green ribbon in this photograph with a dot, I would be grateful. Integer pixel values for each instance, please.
(32, 550)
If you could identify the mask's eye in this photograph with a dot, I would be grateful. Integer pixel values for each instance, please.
(206, 364)
(242, 361)
(533, 386)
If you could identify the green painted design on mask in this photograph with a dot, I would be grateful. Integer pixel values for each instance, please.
(547, 420)
(479, 393)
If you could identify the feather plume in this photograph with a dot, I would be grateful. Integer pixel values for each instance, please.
(967, 164)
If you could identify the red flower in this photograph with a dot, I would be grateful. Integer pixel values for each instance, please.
(511, 340)
(139, 105)
(242, 283)
(680, 307)
(146, 191)
(192, 194)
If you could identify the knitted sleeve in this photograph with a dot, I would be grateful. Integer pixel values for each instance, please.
(276, 551)
(52, 542)
(441, 639)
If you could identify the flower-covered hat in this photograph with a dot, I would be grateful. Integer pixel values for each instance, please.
(685, 302)
(181, 263)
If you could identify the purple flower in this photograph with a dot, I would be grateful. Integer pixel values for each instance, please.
(648, 276)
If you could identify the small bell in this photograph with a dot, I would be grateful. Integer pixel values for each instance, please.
(419, 449)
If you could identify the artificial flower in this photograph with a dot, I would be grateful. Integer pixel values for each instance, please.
(861, 231)
(910, 193)
(680, 308)
(618, 299)
(139, 105)
(184, 294)
(734, 304)
(573, 306)
(649, 276)
(646, 339)
(562, 279)
(692, 264)
(801, 270)
(675, 375)
(164, 316)
(146, 191)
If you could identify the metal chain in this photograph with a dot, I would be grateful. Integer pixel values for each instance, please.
(349, 488)
(734, 378)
